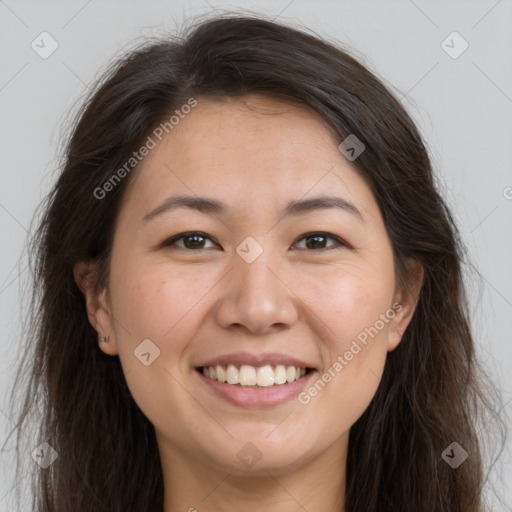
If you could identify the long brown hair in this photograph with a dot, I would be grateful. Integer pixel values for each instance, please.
(431, 393)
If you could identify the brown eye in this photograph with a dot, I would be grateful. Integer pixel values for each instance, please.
(196, 240)
(315, 241)
(191, 240)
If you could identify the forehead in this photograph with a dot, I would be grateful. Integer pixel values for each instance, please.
(251, 152)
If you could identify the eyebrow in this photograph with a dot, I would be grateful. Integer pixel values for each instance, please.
(214, 207)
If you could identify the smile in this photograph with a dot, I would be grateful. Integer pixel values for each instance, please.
(248, 376)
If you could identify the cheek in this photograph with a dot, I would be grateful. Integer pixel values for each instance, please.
(152, 305)
(352, 303)
(154, 302)
(343, 390)
(349, 299)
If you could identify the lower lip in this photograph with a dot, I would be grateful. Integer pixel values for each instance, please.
(257, 397)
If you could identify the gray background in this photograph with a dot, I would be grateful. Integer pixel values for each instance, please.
(462, 105)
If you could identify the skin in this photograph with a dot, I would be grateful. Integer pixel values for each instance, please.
(255, 154)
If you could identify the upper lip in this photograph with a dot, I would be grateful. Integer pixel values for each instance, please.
(239, 358)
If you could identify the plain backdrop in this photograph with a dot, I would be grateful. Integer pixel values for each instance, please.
(462, 103)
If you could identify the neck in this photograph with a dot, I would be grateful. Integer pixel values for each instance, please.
(316, 484)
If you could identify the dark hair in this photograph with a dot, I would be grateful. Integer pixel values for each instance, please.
(431, 392)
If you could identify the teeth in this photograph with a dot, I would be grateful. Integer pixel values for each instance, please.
(247, 375)
(221, 374)
(250, 376)
(232, 375)
(265, 376)
(280, 374)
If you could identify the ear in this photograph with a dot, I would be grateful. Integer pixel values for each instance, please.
(96, 305)
(405, 299)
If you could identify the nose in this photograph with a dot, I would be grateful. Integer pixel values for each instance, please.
(256, 297)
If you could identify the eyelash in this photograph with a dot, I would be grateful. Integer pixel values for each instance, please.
(172, 241)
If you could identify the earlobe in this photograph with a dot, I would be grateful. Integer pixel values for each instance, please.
(407, 300)
(96, 305)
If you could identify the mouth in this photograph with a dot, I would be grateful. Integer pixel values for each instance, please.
(254, 381)
(251, 380)
(255, 377)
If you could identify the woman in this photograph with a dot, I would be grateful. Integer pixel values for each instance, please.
(250, 292)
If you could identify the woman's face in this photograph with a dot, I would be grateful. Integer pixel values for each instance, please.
(275, 279)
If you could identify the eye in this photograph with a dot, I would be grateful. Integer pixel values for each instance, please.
(195, 240)
(317, 241)
(191, 240)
